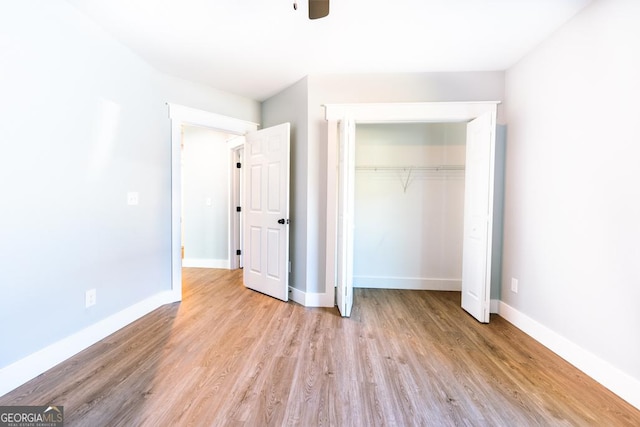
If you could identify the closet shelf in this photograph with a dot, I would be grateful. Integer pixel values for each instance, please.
(411, 168)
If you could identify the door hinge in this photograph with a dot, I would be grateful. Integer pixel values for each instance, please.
(238, 252)
(238, 209)
(238, 165)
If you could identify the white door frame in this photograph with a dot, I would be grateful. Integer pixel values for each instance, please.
(435, 112)
(181, 115)
(236, 151)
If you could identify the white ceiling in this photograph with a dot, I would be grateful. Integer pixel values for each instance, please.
(256, 48)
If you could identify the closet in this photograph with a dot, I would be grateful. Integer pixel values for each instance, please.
(482, 193)
(409, 205)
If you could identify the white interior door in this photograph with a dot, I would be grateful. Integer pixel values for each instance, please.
(266, 207)
(346, 193)
(478, 216)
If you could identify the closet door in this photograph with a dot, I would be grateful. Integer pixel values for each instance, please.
(346, 191)
(478, 216)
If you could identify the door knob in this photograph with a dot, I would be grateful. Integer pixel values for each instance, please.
(283, 221)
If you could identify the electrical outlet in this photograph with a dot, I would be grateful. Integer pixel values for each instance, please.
(90, 298)
(514, 285)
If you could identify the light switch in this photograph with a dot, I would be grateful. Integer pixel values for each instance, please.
(132, 198)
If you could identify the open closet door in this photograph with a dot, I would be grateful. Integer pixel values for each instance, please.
(266, 208)
(478, 216)
(346, 190)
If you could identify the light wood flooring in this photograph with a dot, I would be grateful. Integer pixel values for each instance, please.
(230, 356)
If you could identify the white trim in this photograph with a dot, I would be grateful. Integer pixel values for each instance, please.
(331, 270)
(236, 142)
(236, 150)
(296, 295)
(409, 112)
(412, 283)
(620, 383)
(176, 208)
(25, 369)
(206, 263)
(326, 299)
(181, 115)
(193, 116)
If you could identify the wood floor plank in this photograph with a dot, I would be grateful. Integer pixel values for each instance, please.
(228, 356)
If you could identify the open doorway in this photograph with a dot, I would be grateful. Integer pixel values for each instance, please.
(479, 239)
(409, 206)
(208, 231)
(185, 116)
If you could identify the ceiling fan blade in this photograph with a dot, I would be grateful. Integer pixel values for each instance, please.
(318, 8)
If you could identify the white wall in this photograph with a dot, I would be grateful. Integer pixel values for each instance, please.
(409, 222)
(83, 122)
(572, 188)
(205, 197)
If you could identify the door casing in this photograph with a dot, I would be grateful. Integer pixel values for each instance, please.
(181, 115)
(236, 149)
(435, 112)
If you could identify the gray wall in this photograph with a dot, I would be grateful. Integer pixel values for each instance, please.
(84, 121)
(290, 106)
(572, 199)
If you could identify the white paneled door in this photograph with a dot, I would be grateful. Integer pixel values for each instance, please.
(478, 216)
(346, 196)
(266, 208)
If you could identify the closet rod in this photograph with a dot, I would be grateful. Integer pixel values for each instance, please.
(414, 168)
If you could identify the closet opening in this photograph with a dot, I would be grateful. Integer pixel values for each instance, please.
(482, 178)
(409, 205)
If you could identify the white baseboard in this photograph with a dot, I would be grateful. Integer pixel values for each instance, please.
(326, 299)
(620, 383)
(296, 295)
(413, 283)
(206, 263)
(25, 369)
